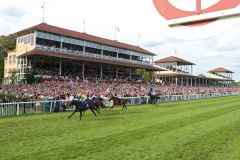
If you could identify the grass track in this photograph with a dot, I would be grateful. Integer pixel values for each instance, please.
(200, 129)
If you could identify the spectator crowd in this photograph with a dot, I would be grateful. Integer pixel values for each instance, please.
(61, 89)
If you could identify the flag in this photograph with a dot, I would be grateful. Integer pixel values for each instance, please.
(139, 36)
(175, 51)
(43, 5)
(117, 28)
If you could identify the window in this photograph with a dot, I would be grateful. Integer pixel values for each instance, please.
(14, 58)
(10, 60)
(25, 39)
(32, 39)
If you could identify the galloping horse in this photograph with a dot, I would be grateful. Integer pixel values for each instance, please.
(119, 101)
(154, 99)
(81, 107)
(99, 103)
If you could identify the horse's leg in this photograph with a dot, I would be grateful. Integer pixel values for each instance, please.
(97, 110)
(93, 112)
(80, 115)
(103, 106)
(111, 108)
(126, 107)
(72, 114)
(122, 108)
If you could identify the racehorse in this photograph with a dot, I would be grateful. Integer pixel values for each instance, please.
(154, 99)
(81, 107)
(99, 103)
(119, 101)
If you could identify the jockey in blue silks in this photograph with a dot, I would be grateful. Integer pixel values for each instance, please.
(82, 98)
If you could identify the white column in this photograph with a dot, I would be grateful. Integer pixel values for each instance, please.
(102, 51)
(61, 47)
(84, 47)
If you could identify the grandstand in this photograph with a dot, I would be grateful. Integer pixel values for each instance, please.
(48, 51)
(180, 72)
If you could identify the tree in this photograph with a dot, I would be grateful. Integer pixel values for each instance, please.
(6, 43)
(145, 74)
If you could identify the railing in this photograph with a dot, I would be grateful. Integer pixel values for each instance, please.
(33, 107)
(90, 55)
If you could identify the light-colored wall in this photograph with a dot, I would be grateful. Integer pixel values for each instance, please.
(216, 76)
(20, 49)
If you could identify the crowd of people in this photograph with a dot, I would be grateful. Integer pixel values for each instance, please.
(64, 88)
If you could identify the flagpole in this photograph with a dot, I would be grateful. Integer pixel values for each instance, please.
(116, 30)
(84, 24)
(115, 33)
(138, 37)
(175, 51)
(43, 11)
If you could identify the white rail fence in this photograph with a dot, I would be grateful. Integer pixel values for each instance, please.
(33, 107)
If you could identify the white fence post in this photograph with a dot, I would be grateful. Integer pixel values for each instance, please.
(18, 109)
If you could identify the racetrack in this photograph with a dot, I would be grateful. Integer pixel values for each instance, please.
(200, 129)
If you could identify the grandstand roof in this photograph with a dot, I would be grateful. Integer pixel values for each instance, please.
(173, 75)
(174, 59)
(189, 75)
(221, 70)
(84, 36)
(97, 60)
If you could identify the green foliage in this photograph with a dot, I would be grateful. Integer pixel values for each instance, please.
(3, 51)
(201, 129)
(235, 84)
(6, 43)
(145, 74)
(9, 96)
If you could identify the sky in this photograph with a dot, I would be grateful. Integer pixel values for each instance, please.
(132, 17)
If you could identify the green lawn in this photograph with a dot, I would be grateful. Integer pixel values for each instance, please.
(200, 129)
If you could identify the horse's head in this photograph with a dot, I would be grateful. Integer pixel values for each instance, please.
(100, 99)
(74, 103)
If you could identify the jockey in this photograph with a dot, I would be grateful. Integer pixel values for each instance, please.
(82, 97)
(151, 92)
(108, 92)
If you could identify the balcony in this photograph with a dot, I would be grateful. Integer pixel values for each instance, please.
(90, 55)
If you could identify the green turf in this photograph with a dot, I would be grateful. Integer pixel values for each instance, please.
(200, 129)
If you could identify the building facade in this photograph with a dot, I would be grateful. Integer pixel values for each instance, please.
(61, 49)
(180, 72)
